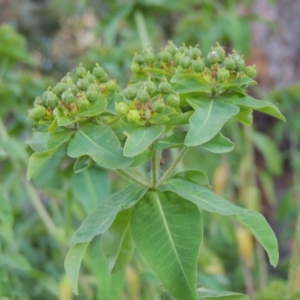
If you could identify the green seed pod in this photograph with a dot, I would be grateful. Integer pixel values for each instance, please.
(80, 72)
(135, 68)
(142, 96)
(213, 57)
(229, 63)
(240, 65)
(90, 78)
(149, 58)
(45, 95)
(82, 103)
(147, 114)
(184, 50)
(59, 88)
(165, 88)
(185, 62)
(176, 58)
(73, 88)
(223, 75)
(130, 92)
(171, 48)
(121, 108)
(198, 66)
(111, 85)
(99, 72)
(83, 84)
(133, 116)
(93, 87)
(194, 53)
(250, 71)
(138, 59)
(220, 50)
(92, 95)
(67, 79)
(67, 97)
(150, 87)
(39, 101)
(164, 56)
(173, 100)
(158, 105)
(52, 100)
(37, 113)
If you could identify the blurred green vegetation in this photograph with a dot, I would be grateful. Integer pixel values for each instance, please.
(42, 40)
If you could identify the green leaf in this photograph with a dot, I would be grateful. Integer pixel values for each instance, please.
(72, 263)
(173, 141)
(62, 120)
(117, 244)
(141, 158)
(96, 108)
(39, 141)
(82, 163)
(101, 144)
(206, 294)
(208, 119)
(139, 139)
(245, 116)
(194, 176)
(179, 119)
(189, 84)
(267, 147)
(218, 144)
(210, 201)
(97, 222)
(167, 231)
(90, 187)
(259, 105)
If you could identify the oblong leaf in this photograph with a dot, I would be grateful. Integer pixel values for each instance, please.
(139, 139)
(101, 144)
(206, 294)
(167, 231)
(117, 244)
(219, 144)
(208, 119)
(209, 201)
(190, 84)
(96, 108)
(259, 105)
(173, 141)
(97, 222)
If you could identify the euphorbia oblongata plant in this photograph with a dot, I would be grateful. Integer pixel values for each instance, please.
(176, 98)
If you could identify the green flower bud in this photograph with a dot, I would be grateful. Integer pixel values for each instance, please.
(52, 100)
(135, 68)
(99, 72)
(142, 96)
(37, 113)
(67, 97)
(90, 78)
(185, 62)
(229, 63)
(223, 75)
(130, 92)
(82, 103)
(165, 88)
(173, 100)
(92, 95)
(198, 66)
(171, 48)
(149, 58)
(250, 71)
(220, 50)
(80, 71)
(39, 101)
(150, 87)
(121, 108)
(59, 88)
(194, 53)
(111, 85)
(164, 56)
(138, 59)
(133, 116)
(83, 84)
(158, 105)
(213, 57)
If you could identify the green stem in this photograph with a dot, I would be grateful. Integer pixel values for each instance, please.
(173, 166)
(141, 181)
(142, 29)
(155, 167)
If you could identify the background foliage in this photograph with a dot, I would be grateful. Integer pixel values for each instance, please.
(39, 42)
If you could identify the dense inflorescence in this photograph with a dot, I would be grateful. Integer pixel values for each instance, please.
(153, 94)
